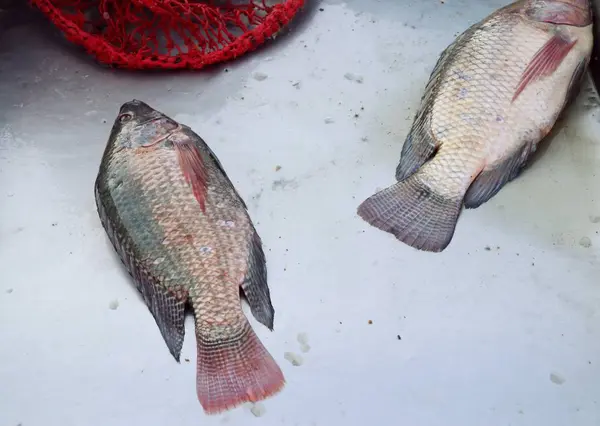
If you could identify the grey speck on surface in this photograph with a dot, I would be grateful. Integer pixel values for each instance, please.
(595, 219)
(256, 198)
(284, 184)
(303, 340)
(10, 290)
(114, 304)
(556, 379)
(295, 360)
(259, 76)
(258, 409)
(353, 77)
(328, 120)
(585, 242)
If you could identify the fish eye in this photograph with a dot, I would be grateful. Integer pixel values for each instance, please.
(124, 118)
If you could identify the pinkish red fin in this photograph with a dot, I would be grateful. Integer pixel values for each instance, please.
(545, 62)
(193, 168)
(235, 370)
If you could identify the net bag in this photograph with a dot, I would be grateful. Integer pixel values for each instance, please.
(168, 34)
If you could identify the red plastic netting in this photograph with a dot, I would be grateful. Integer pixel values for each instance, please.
(168, 34)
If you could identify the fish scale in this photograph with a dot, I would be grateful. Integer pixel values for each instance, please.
(492, 96)
(185, 236)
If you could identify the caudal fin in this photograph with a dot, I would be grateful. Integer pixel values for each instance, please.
(414, 213)
(235, 370)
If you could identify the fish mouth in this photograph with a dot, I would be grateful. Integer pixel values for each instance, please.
(137, 107)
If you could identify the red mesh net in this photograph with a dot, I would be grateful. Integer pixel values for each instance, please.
(169, 34)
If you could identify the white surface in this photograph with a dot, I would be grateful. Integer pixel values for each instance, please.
(482, 331)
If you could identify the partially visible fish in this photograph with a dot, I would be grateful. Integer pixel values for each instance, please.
(492, 96)
(184, 234)
(595, 60)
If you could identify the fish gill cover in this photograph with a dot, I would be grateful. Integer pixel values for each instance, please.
(169, 34)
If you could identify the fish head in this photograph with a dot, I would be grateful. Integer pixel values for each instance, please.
(138, 124)
(560, 12)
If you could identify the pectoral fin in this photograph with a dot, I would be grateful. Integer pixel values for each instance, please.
(545, 62)
(193, 168)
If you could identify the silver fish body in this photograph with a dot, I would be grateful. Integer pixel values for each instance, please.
(185, 236)
(493, 95)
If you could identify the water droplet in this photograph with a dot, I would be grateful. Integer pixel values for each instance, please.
(258, 409)
(159, 261)
(585, 242)
(294, 359)
(205, 250)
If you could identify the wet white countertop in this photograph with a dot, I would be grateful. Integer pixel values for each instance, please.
(502, 328)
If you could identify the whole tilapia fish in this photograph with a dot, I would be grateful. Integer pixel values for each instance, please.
(492, 96)
(184, 234)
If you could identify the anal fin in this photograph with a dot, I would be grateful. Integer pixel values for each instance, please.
(418, 147)
(575, 82)
(490, 181)
(168, 309)
(255, 285)
(193, 168)
(545, 62)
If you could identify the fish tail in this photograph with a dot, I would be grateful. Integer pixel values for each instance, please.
(414, 213)
(234, 369)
